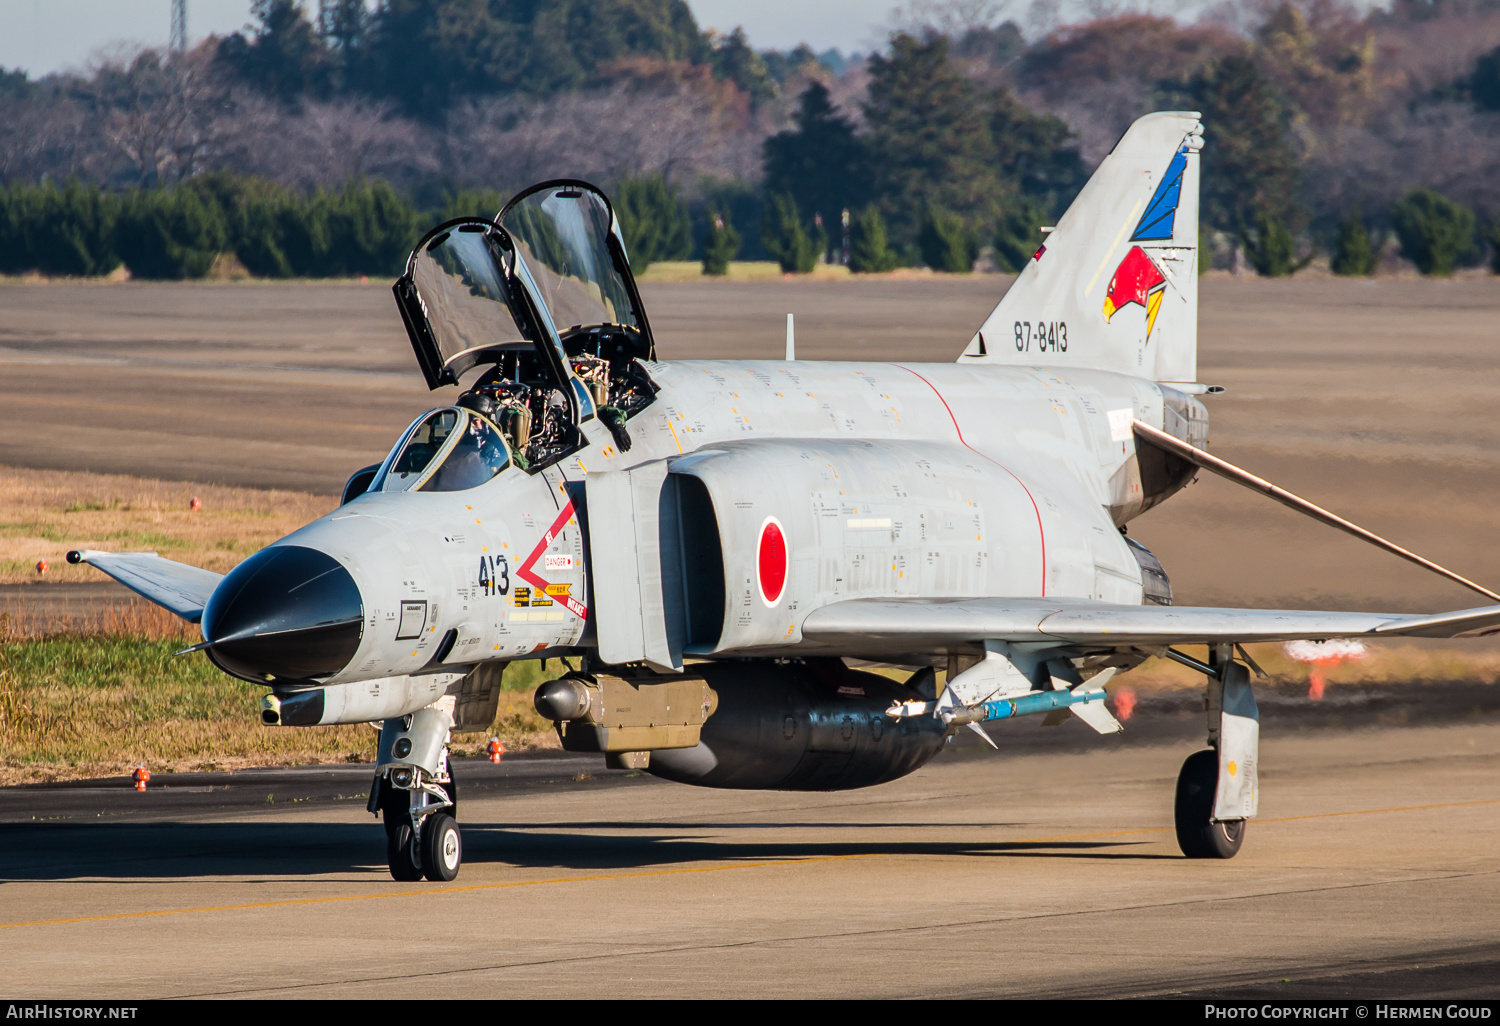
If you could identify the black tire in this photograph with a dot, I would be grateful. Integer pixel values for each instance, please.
(1198, 835)
(400, 854)
(442, 847)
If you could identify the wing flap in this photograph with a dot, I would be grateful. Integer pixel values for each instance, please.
(919, 623)
(178, 587)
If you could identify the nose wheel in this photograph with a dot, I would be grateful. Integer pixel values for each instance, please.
(421, 836)
(401, 853)
(442, 848)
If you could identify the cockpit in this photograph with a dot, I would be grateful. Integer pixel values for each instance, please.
(493, 294)
(446, 450)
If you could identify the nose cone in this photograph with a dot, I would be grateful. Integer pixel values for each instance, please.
(287, 612)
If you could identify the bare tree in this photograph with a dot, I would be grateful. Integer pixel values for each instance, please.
(324, 143)
(1449, 147)
(951, 18)
(603, 135)
(39, 136)
(158, 110)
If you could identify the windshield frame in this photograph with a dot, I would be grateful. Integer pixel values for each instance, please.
(436, 461)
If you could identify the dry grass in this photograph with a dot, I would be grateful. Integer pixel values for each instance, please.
(98, 705)
(42, 616)
(44, 513)
(94, 707)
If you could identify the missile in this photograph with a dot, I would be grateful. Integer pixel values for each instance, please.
(1000, 709)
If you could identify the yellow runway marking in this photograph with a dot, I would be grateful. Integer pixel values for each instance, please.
(437, 890)
(679, 872)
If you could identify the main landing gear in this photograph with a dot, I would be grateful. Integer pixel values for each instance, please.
(417, 798)
(1218, 789)
(1199, 835)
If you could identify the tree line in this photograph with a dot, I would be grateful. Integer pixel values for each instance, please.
(301, 147)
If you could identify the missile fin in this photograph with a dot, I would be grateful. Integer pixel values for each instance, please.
(976, 728)
(1097, 716)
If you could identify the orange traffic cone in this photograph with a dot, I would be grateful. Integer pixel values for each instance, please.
(41, 566)
(196, 504)
(140, 776)
(496, 749)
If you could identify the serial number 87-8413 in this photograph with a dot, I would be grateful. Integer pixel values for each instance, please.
(1043, 336)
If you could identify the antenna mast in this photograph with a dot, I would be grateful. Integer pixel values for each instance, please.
(178, 42)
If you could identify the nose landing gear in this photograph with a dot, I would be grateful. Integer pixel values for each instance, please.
(416, 797)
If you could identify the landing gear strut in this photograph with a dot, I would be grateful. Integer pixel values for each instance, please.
(1218, 789)
(416, 796)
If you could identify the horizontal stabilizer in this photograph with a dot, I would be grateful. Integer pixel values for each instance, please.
(893, 626)
(181, 588)
(1177, 447)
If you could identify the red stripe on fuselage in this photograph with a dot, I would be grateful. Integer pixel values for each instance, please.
(1041, 534)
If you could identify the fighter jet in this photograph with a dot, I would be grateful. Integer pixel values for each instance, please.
(714, 552)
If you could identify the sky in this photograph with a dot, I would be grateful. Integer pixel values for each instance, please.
(43, 36)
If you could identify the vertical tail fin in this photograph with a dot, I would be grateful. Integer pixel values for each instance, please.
(1115, 285)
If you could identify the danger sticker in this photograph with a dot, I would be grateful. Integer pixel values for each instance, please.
(559, 562)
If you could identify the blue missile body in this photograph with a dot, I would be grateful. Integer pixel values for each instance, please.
(1036, 702)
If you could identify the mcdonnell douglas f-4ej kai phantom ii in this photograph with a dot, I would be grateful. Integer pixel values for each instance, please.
(716, 542)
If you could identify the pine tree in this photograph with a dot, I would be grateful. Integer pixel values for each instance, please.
(721, 245)
(1249, 167)
(947, 243)
(821, 163)
(176, 233)
(734, 59)
(654, 221)
(928, 137)
(787, 239)
(869, 250)
(1271, 248)
(1436, 233)
(371, 230)
(1353, 256)
(1017, 232)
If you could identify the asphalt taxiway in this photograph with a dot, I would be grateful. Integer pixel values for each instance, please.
(1049, 869)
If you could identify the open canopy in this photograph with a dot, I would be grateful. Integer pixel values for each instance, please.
(466, 300)
(566, 233)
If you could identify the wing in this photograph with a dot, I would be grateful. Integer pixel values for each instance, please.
(889, 626)
(176, 586)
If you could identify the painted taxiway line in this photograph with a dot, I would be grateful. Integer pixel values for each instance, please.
(332, 899)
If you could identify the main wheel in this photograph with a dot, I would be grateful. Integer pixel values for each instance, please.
(400, 853)
(442, 848)
(1198, 834)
